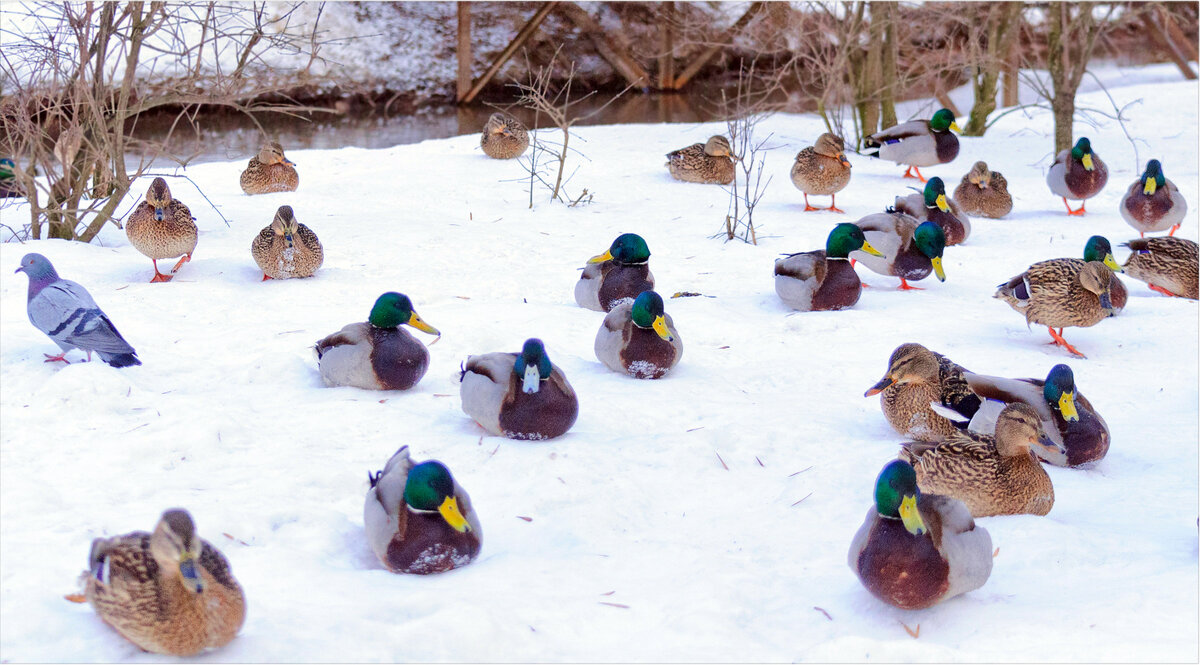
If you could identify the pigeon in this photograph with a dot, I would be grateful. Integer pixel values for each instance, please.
(65, 311)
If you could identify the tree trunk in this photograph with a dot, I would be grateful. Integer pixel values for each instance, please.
(1002, 22)
(870, 75)
(1062, 99)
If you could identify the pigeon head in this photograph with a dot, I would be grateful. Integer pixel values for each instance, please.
(39, 270)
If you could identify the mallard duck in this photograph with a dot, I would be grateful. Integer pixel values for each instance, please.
(504, 137)
(1067, 417)
(377, 354)
(984, 193)
(418, 519)
(9, 187)
(822, 170)
(168, 592)
(908, 249)
(915, 549)
(519, 395)
(1153, 203)
(933, 206)
(1077, 174)
(708, 163)
(992, 475)
(823, 279)
(1099, 249)
(287, 248)
(617, 275)
(1061, 292)
(917, 143)
(162, 227)
(1167, 264)
(269, 171)
(639, 338)
(915, 378)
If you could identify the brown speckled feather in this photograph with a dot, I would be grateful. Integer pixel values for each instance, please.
(279, 260)
(176, 235)
(504, 137)
(1166, 262)
(992, 201)
(269, 171)
(905, 403)
(818, 174)
(1050, 293)
(693, 164)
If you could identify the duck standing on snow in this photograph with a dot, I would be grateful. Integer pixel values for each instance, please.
(617, 275)
(65, 311)
(269, 171)
(1077, 173)
(639, 338)
(707, 163)
(908, 249)
(418, 519)
(916, 378)
(1153, 203)
(519, 395)
(984, 193)
(992, 475)
(1169, 265)
(168, 592)
(162, 227)
(823, 279)
(917, 143)
(377, 354)
(1060, 293)
(931, 205)
(504, 137)
(822, 170)
(287, 248)
(916, 549)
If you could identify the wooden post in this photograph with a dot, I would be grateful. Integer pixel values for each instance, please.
(522, 37)
(464, 50)
(713, 50)
(666, 56)
(614, 52)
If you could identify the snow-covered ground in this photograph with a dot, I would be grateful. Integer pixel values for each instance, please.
(702, 517)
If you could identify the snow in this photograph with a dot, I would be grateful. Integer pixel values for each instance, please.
(704, 516)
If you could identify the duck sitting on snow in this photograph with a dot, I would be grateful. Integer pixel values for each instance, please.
(504, 137)
(518, 395)
(916, 549)
(1168, 265)
(377, 354)
(707, 163)
(269, 171)
(931, 205)
(287, 248)
(823, 279)
(822, 170)
(908, 249)
(917, 143)
(984, 193)
(639, 338)
(162, 227)
(418, 519)
(1077, 173)
(917, 378)
(619, 274)
(1153, 203)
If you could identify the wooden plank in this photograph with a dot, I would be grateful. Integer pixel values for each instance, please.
(1159, 33)
(710, 52)
(666, 56)
(464, 50)
(613, 51)
(508, 52)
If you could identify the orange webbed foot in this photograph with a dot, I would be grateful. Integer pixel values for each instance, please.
(1162, 290)
(54, 359)
(182, 260)
(1058, 339)
(905, 286)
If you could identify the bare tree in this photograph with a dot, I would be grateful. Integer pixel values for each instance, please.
(1072, 34)
(994, 30)
(749, 106)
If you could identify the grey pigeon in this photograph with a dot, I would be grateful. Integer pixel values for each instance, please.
(65, 311)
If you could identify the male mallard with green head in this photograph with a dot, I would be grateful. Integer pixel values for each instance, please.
(822, 170)
(377, 354)
(269, 171)
(707, 163)
(1153, 203)
(617, 275)
(519, 395)
(418, 519)
(984, 193)
(1077, 173)
(504, 137)
(287, 248)
(916, 549)
(1167, 264)
(1060, 293)
(162, 227)
(917, 143)
(908, 249)
(823, 279)
(1099, 249)
(9, 187)
(638, 338)
(931, 205)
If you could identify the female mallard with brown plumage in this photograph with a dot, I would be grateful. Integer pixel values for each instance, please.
(1153, 203)
(162, 227)
(418, 519)
(519, 395)
(822, 170)
(984, 193)
(991, 475)
(916, 549)
(1078, 174)
(908, 249)
(1060, 293)
(917, 143)
(823, 279)
(931, 205)
(287, 248)
(617, 275)
(915, 378)
(1167, 264)
(377, 354)
(168, 592)
(639, 338)
(504, 137)
(708, 163)
(269, 171)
